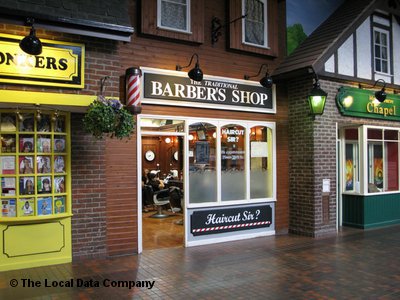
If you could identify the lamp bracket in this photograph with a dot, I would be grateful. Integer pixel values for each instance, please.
(103, 84)
(179, 67)
(247, 77)
(216, 26)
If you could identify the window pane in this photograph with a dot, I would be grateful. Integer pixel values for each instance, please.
(377, 65)
(260, 162)
(377, 51)
(375, 167)
(392, 135)
(377, 37)
(254, 22)
(202, 163)
(173, 15)
(375, 134)
(162, 125)
(350, 167)
(384, 39)
(384, 66)
(384, 53)
(392, 166)
(233, 177)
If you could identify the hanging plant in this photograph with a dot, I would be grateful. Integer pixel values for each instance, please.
(108, 117)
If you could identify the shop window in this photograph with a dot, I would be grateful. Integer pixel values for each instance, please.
(33, 163)
(261, 162)
(202, 163)
(173, 19)
(380, 164)
(233, 175)
(257, 32)
(381, 51)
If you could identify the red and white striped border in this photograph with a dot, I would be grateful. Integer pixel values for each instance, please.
(230, 226)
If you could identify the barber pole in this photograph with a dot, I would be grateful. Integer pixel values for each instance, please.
(132, 78)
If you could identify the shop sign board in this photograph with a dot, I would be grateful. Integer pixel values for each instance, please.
(61, 64)
(212, 221)
(176, 88)
(361, 103)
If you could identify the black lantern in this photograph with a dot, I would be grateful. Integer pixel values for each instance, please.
(380, 95)
(266, 81)
(31, 43)
(196, 73)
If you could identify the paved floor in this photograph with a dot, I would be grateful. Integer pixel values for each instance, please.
(355, 264)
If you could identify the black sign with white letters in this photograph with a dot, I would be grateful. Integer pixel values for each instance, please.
(230, 219)
(211, 93)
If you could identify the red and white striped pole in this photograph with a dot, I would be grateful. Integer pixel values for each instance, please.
(132, 80)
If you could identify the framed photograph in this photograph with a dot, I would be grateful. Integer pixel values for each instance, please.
(8, 122)
(59, 164)
(26, 207)
(59, 205)
(43, 164)
(27, 122)
(59, 184)
(26, 185)
(8, 186)
(8, 208)
(26, 165)
(59, 144)
(44, 144)
(7, 164)
(202, 152)
(26, 143)
(201, 135)
(8, 143)
(44, 206)
(44, 124)
(44, 185)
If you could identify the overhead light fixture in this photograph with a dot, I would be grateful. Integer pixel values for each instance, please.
(167, 140)
(266, 81)
(380, 95)
(31, 43)
(196, 73)
(317, 98)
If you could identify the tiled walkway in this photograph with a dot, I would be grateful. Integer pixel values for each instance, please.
(354, 265)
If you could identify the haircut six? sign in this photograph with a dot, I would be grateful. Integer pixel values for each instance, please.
(61, 64)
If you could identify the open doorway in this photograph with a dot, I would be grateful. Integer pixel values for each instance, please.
(162, 184)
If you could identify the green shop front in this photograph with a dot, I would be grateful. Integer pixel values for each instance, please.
(369, 160)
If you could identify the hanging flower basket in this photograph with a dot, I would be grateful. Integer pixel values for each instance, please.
(108, 117)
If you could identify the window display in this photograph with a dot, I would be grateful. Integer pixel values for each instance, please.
(34, 148)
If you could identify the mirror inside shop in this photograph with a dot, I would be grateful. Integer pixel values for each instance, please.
(162, 183)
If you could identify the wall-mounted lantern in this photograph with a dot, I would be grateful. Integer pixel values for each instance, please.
(317, 98)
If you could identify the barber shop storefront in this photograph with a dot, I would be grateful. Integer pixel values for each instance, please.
(223, 161)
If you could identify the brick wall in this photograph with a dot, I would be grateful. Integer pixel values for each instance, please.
(312, 156)
(88, 192)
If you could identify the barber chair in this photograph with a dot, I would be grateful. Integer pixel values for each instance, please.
(159, 199)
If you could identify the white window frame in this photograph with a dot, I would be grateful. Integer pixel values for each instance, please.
(188, 17)
(265, 46)
(247, 125)
(387, 32)
(363, 163)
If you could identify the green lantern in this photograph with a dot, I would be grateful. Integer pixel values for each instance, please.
(317, 99)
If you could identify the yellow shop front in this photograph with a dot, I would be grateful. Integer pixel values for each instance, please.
(35, 153)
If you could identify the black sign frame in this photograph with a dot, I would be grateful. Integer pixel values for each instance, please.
(212, 221)
(174, 88)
